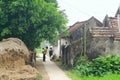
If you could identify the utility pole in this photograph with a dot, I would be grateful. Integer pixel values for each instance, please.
(84, 40)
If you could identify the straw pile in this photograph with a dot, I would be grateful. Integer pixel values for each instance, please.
(13, 54)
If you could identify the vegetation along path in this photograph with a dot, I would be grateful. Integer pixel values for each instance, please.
(51, 71)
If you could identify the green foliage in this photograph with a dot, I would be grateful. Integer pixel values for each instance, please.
(38, 50)
(66, 33)
(105, 77)
(52, 1)
(74, 75)
(99, 66)
(31, 20)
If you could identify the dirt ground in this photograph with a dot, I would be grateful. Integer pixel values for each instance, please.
(41, 69)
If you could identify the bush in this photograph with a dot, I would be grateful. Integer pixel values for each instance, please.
(54, 57)
(99, 66)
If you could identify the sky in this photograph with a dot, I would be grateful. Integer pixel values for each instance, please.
(80, 10)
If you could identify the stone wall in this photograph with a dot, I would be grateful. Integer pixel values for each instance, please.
(103, 46)
(95, 46)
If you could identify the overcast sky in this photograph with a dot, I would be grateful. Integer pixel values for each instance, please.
(80, 10)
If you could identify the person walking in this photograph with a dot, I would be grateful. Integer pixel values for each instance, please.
(44, 52)
(51, 52)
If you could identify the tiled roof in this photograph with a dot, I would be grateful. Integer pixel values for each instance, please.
(75, 26)
(101, 32)
(110, 29)
(114, 24)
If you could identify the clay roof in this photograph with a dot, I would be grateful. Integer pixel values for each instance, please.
(109, 30)
(75, 26)
(114, 24)
(78, 24)
(101, 32)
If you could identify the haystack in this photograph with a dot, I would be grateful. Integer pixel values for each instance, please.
(13, 54)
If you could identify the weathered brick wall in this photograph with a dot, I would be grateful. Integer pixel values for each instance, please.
(94, 46)
(97, 46)
(113, 48)
(103, 46)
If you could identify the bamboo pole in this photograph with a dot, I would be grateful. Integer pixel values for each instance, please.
(84, 41)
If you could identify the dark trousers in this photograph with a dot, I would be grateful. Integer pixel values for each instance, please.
(44, 57)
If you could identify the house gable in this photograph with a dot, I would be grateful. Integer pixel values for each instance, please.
(118, 12)
(93, 22)
(77, 30)
(106, 21)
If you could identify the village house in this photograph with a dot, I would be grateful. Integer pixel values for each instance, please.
(94, 38)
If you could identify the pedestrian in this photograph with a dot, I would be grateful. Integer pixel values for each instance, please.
(44, 51)
(51, 52)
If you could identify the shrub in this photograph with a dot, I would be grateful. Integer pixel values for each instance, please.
(54, 57)
(99, 66)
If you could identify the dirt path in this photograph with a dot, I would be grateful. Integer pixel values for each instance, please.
(50, 71)
(41, 69)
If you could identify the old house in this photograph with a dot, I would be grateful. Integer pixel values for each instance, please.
(94, 38)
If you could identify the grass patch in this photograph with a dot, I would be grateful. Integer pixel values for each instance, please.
(74, 75)
(39, 77)
(105, 77)
(38, 51)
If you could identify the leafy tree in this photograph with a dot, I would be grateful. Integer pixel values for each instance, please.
(31, 20)
(52, 1)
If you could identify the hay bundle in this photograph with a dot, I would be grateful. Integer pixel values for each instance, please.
(13, 54)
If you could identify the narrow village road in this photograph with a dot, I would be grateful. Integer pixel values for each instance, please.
(51, 70)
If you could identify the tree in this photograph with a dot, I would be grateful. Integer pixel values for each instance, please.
(52, 1)
(30, 20)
